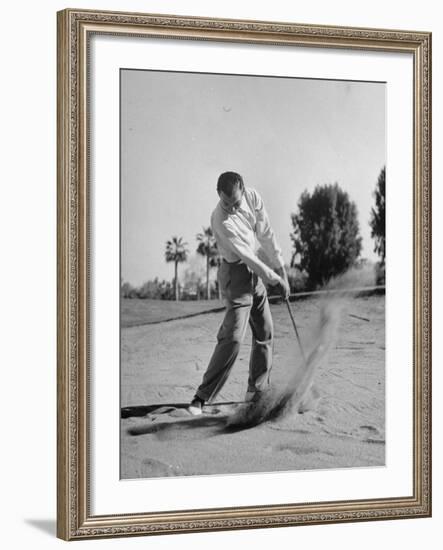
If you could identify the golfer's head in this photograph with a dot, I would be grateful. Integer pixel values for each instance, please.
(230, 188)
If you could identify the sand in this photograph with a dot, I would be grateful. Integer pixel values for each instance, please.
(162, 364)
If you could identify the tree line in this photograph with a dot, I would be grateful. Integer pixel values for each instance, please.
(325, 236)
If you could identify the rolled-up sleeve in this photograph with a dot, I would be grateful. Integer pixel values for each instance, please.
(265, 234)
(244, 252)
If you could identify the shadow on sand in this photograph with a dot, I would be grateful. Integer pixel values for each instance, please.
(178, 423)
(201, 426)
(143, 410)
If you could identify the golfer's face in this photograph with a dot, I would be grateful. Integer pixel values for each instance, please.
(232, 203)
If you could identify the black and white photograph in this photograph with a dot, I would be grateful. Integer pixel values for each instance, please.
(252, 273)
(216, 334)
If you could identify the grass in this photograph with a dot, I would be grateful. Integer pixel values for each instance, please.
(136, 312)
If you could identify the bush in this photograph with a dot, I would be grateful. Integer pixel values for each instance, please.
(326, 234)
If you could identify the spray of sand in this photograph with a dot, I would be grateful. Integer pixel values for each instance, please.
(278, 402)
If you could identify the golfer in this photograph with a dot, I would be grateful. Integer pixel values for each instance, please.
(238, 222)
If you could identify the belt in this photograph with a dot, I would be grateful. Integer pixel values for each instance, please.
(232, 263)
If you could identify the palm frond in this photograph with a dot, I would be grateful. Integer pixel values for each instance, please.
(176, 250)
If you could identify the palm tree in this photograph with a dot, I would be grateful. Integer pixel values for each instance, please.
(176, 252)
(207, 246)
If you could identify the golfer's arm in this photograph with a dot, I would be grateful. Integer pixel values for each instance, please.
(267, 274)
(281, 271)
(266, 236)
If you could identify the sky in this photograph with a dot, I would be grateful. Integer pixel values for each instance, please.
(180, 131)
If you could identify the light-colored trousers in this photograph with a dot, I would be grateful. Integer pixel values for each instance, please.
(246, 301)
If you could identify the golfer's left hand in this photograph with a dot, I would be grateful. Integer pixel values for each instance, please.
(283, 283)
(284, 288)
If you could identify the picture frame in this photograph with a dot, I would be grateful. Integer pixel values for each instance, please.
(76, 208)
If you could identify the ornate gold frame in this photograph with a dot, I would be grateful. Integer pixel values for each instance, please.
(74, 520)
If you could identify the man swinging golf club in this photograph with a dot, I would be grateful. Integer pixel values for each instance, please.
(238, 222)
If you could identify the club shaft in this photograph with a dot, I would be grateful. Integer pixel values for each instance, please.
(296, 330)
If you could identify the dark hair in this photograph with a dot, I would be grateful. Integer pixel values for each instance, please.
(228, 181)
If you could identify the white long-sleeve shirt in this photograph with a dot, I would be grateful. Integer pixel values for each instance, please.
(237, 235)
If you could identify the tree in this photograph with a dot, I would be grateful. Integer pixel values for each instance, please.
(127, 290)
(377, 221)
(176, 252)
(326, 234)
(207, 246)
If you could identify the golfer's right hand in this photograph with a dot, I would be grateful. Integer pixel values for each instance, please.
(283, 288)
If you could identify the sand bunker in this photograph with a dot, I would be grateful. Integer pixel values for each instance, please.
(343, 338)
(299, 391)
(279, 402)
